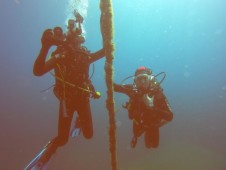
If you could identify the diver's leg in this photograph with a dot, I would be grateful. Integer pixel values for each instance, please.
(64, 123)
(151, 137)
(85, 117)
(137, 128)
(49, 150)
(44, 156)
(137, 131)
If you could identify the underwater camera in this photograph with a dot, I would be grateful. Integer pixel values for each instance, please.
(53, 37)
(58, 37)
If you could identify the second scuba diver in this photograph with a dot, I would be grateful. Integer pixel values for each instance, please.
(147, 106)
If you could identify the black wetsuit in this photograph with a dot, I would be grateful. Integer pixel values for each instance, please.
(71, 67)
(146, 119)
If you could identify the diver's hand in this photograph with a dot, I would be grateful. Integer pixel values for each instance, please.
(47, 38)
(78, 17)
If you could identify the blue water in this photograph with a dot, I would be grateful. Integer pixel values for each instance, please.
(186, 39)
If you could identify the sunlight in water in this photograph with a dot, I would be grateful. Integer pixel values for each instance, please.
(79, 6)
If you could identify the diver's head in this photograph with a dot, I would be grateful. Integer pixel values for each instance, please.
(58, 33)
(142, 70)
(72, 27)
(74, 34)
(71, 24)
(142, 78)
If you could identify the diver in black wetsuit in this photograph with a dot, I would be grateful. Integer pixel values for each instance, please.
(73, 88)
(147, 106)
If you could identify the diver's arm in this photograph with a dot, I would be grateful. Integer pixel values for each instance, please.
(163, 108)
(166, 115)
(41, 66)
(125, 88)
(159, 124)
(161, 117)
(118, 88)
(97, 55)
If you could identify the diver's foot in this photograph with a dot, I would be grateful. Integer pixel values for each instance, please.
(50, 149)
(133, 142)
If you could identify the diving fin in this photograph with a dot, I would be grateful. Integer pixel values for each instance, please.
(76, 130)
(36, 164)
(40, 162)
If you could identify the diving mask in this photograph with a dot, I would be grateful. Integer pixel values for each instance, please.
(142, 81)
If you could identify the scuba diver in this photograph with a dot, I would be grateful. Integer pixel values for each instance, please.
(73, 87)
(147, 106)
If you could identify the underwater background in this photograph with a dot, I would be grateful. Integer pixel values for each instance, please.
(184, 38)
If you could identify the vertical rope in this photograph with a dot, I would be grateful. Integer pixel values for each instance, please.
(107, 34)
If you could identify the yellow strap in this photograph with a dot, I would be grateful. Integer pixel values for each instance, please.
(66, 82)
(70, 84)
